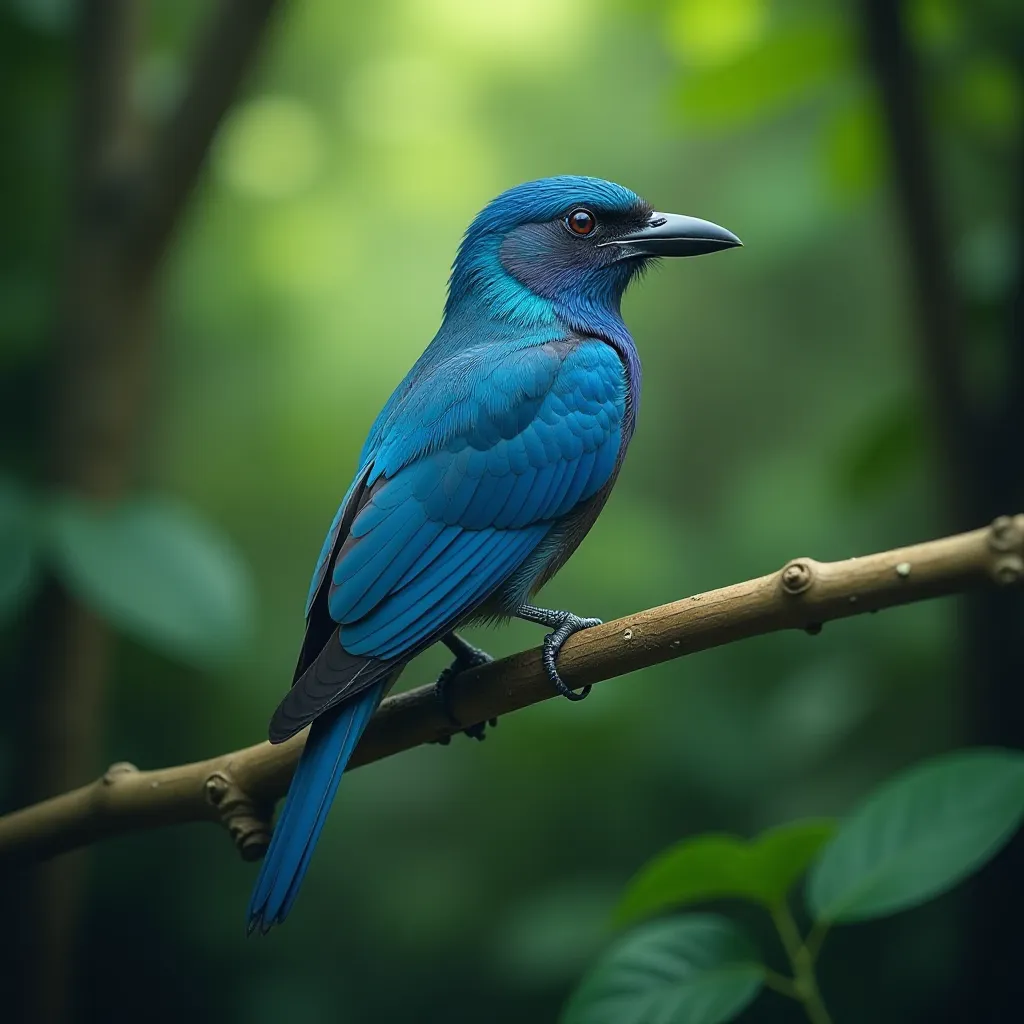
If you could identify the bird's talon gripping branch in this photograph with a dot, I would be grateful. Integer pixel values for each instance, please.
(553, 644)
(563, 624)
(466, 657)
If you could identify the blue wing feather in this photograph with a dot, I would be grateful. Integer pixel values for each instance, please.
(399, 562)
(490, 567)
(327, 549)
(473, 557)
(579, 484)
(441, 543)
(546, 436)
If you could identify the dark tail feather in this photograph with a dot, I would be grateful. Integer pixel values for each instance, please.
(333, 677)
(332, 738)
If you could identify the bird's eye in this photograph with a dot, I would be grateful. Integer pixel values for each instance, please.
(581, 222)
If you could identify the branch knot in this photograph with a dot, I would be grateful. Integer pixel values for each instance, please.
(1006, 539)
(117, 770)
(1007, 533)
(796, 577)
(247, 820)
(1008, 569)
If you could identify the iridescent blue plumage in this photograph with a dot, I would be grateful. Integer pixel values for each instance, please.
(480, 476)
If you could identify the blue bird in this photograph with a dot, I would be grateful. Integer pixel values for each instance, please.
(479, 478)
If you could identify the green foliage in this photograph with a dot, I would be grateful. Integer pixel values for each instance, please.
(695, 969)
(17, 548)
(918, 835)
(298, 294)
(709, 867)
(914, 838)
(154, 570)
(853, 148)
(793, 63)
(149, 566)
(888, 446)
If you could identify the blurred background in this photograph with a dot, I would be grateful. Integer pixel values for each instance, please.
(187, 376)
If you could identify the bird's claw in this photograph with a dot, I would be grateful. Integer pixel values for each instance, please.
(470, 658)
(553, 644)
(478, 731)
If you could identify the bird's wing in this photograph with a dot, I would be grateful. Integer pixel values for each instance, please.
(473, 468)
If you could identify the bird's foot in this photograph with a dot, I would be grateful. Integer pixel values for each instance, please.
(553, 644)
(466, 657)
(563, 624)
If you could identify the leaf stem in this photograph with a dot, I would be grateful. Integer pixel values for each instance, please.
(815, 938)
(779, 982)
(804, 982)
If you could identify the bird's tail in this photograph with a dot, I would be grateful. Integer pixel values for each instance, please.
(332, 738)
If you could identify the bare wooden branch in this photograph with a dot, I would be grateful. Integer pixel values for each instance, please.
(239, 788)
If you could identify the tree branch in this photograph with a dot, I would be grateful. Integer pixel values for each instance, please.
(229, 44)
(239, 788)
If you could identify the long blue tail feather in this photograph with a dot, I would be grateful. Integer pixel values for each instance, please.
(332, 739)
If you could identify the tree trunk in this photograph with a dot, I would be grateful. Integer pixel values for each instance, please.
(97, 383)
(979, 462)
(128, 194)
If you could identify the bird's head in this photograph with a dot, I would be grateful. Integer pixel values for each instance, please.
(569, 240)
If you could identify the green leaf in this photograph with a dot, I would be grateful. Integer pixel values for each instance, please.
(17, 548)
(695, 969)
(715, 866)
(154, 570)
(919, 834)
(793, 63)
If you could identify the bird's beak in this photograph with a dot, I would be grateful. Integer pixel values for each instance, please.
(671, 234)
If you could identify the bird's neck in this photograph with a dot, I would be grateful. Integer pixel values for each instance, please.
(482, 291)
(489, 305)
